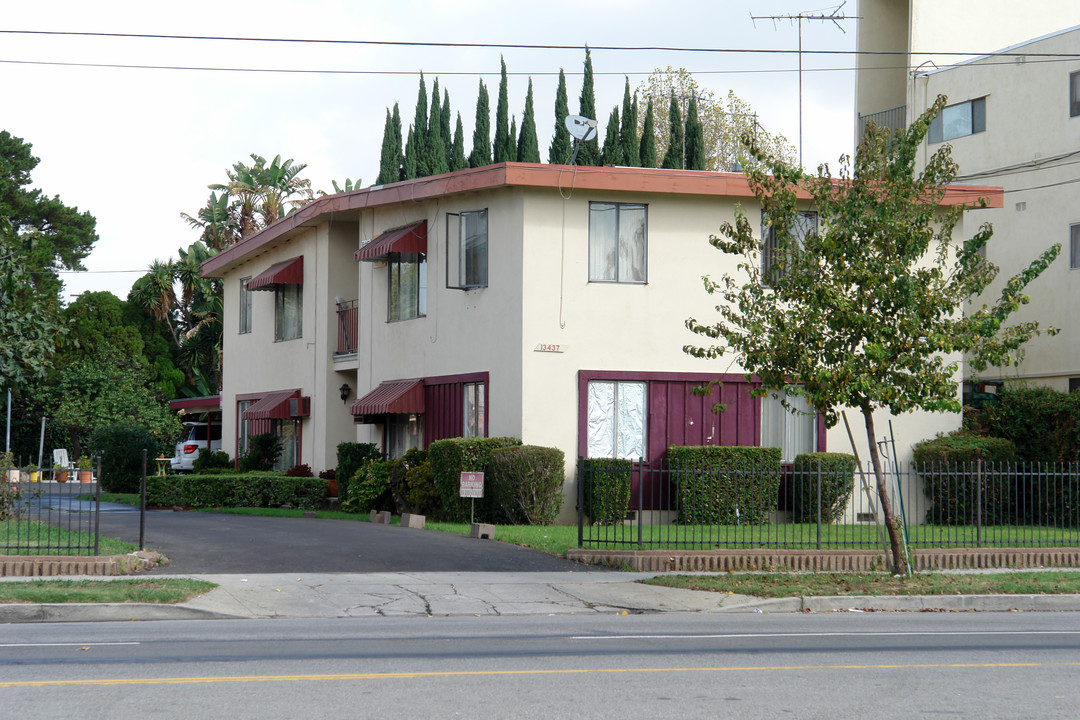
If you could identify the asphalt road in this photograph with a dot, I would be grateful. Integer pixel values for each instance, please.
(994, 665)
(219, 543)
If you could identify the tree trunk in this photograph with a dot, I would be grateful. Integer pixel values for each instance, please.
(891, 521)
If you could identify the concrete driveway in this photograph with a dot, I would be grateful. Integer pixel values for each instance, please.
(200, 542)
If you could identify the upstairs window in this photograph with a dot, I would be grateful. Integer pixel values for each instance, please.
(805, 225)
(618, 242)
(966, 118)
(407, 286)
(288, 312)
(467, 249)
(1074, 246)
(1074, 94)
(245, 306)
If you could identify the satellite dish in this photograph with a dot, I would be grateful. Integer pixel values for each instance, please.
(582, 128)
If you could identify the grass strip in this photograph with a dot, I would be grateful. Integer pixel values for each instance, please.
(163, 591)
(774, 585)
(28, 537)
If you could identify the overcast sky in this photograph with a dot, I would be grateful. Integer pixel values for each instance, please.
(137, 146)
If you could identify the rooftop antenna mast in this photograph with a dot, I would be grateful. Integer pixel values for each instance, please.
(833, 15)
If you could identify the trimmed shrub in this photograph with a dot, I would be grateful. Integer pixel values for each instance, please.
(526, 482)
(369, 488)
(301, 470)
(217, 460)
(352, 456)
(453, 456)
(1044, 424)
(330, 474)
(247, 490)
(421, 495)
(263, 451)
(836, 474)
(121, 456)
(607, 489)
(726, 485)
(949, 468)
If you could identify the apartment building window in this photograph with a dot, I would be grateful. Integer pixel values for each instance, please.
(616, 419)
(467, 249)
(245, 306)
(804, 225)
(794, 433)
(473, 404)
(407, 286)
(288, 312)
(618, 242)
(403, 433)
(1074, 246)
(966, 118)
(1074, 94)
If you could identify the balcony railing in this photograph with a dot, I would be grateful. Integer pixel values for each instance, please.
(346, 328)
(895, 119)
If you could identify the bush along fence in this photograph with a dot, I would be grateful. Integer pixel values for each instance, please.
(47, 512)
(731, 498)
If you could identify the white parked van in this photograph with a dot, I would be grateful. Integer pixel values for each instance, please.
(192, 441)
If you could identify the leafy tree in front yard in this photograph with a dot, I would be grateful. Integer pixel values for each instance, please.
(866, 311)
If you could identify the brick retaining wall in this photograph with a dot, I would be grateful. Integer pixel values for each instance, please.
(49, 565)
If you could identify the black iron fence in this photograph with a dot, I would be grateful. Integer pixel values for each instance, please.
(624, 504)
(49, 512)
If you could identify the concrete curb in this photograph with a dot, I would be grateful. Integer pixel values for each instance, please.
(103, 612)
(905, 603)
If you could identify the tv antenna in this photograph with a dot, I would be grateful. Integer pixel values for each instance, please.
(583, 129)
(834, 16)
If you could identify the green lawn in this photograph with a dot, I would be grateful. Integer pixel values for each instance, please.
(822, 584)
(148, 590)
(34, 538)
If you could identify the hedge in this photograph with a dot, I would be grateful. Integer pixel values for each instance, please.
(606, 488)
(121, 453)
(948, 466)
(247, 490)
(369, 488)
(352, 456)
(526, 482)
(1043, 424)
(453, 456)
(833, 473)
(725, 485)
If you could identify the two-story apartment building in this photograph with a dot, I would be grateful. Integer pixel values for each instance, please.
(1012, 77)
(543, 302)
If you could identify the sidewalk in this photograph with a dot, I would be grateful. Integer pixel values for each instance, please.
(341, 595)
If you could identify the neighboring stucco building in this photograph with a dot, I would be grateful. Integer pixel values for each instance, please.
(1013, 120)
(537, 301)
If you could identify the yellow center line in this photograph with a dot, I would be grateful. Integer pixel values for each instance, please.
(495, 673)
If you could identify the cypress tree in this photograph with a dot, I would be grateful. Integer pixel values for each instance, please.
(388, 165)
(528, 147)
(511, 136)
(444, 126)
(409, 167)
(481, 140)
(437, 150)
(647, 154)
(673, 158)
(457, 154)
(503, 136)
(398, 150)
(419, 133)
(695, 138)
(628, 142)
(589, 154)
(612, 151)
(561, 144)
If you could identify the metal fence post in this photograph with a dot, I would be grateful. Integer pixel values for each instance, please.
(142, 504)
(640, 497)
(978, 502)
(818, 505)
(581, 501)
(97, 507)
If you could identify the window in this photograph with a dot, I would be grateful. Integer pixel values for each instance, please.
(243, 427)
(966, 118)
(618, 242)
(287, 431)
(288, 312)
(1074, 246)
(1074, 384)
(403, 433)
(616, 419)
(805, 225)
(793, 432)
(407, 286)
(245, 306)
(1074, 94)
(473, 403)
(467, 249)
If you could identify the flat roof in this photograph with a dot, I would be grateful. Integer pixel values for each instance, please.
(561, 178)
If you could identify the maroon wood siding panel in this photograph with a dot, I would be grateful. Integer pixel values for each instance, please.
(444, 401)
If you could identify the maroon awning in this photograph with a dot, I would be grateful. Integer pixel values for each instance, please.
(210, 403)
(398, 397)
(407, 239)
(289, 272)
(272, 405)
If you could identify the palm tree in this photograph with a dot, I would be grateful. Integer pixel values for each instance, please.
(219, 221)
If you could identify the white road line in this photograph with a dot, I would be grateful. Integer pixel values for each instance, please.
(82, 644)
(824, 634)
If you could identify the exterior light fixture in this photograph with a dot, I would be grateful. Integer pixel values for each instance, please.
(345, 391)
